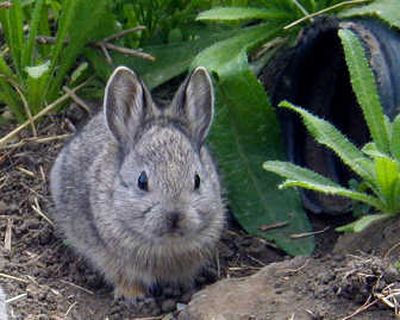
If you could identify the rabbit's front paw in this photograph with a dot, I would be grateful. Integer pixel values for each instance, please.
(129, 292)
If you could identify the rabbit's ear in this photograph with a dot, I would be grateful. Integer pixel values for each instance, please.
(194, 103)
(127, 102)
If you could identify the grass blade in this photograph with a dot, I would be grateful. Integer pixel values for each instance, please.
(237, 14)
(28, 56)
(12, 24)
(364, 87)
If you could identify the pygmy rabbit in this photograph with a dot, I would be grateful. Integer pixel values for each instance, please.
(136, 190)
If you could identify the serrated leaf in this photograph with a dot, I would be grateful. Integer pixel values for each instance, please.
(304, 178)
(387, 174)
(370, 150)
(244, 134)
(387, 10)
(395, 138)
(234, 14)
(362, 223)
(364, 87)
(327, 135)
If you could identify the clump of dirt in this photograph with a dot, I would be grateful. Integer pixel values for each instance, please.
(329, 288)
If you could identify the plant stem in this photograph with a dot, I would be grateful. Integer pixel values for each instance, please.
(314, 14)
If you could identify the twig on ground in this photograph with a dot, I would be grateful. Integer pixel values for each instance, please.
(308, 234)
(39, 211)
(123, 33)
(10, 277)
(17, 298)
(276, 225)
(297, 269)
(70, 308)
(39, 140)
(77, 99)
(390, 250)
(26, 107)
(8, 235)
(364, 307)
(123, 50)
(25, 171)
(106, 54)
(78, 287)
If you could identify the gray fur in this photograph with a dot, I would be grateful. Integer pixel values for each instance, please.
(3, 310)
(124, 231)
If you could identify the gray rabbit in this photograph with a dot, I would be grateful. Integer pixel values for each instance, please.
(136, 190)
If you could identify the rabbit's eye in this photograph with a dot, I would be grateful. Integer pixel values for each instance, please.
(143, 181)
(196, 181)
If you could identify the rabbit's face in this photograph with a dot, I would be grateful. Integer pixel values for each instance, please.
(166, 189)
(164, 192)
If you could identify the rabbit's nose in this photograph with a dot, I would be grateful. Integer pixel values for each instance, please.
(173, 218)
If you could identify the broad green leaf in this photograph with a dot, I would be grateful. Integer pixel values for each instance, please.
(387, 174)
(364, 87)
(327, 135)
(233, 14)
(304, 178)
(244, 134)
(395, 141)
(387, 10)
(362, 223)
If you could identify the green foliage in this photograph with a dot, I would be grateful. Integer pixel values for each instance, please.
(377, 164)
(240, 152)
(30, 75)
(386, 10)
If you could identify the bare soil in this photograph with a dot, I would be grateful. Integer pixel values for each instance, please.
(45, 279)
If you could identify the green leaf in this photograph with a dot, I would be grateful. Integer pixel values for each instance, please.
(395, 141)
(387, 175)
(308, 179)
(171, 59)
(234, 14)
(78, 30)
(12, 23)
(387, 10)
(364, 87)
(362, 223)
(37, 71)
(327, 135)
(28, 56)
(245, 133)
